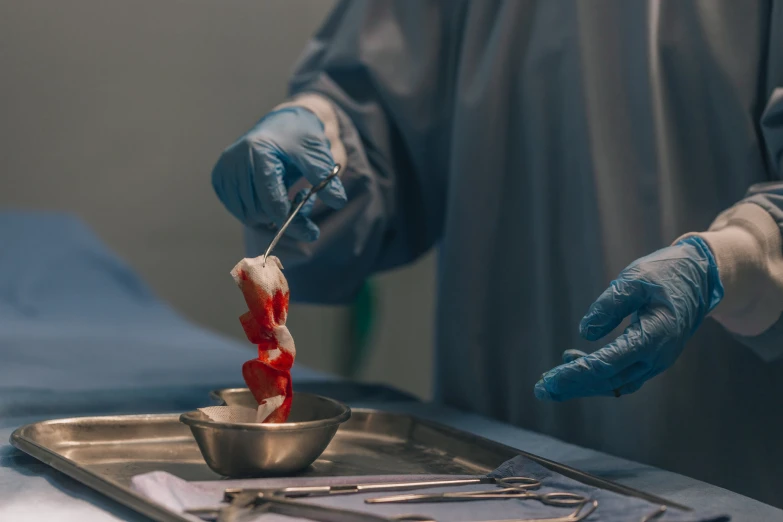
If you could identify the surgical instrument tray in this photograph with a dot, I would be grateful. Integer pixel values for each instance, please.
(106, 452)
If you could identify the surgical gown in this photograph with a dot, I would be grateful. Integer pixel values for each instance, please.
(541, 146)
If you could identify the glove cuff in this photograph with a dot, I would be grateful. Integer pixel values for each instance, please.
(746, 243)
(324, 111)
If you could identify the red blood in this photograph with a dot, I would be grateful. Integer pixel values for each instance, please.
(267, 345)
(284, 361)
(266, 382)
(268, 311)
(281, 414)
(263, 380)
(280, 306)
(268, 375)
(252, 329)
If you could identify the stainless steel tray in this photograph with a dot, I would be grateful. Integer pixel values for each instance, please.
(104, 453)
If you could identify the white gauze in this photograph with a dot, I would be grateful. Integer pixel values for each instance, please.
(241, 414)
(259, 283)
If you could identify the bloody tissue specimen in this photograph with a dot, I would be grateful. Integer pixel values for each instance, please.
(268, 376)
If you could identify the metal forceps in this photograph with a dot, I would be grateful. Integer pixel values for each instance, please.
(243, 502)
(248, 504)
(509, 489)
(295, 211)
(516, 483)
(246, 501)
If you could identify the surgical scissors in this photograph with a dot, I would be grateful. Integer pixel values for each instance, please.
(313, 190)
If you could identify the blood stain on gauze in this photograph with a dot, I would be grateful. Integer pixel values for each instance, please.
(266, 382)
(268, 377)
(270, 405)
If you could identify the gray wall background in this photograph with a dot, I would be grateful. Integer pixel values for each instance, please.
(117, 110)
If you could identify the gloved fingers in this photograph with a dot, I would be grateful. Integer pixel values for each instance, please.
(633, 383)
(232, 181)
(572, 355)
(543, 394)
(224, 186)
(556, 386)
(316, 163)
(628, 388)
(302, 228)
(649, 331)
(624, 296)
(266, 182)
(599, 373)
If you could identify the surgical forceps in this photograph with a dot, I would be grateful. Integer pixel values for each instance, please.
(242, 501)
(247, 504)
(557, 498)
(295, 211)
(515, 483)
(512, 487)
(245, 501)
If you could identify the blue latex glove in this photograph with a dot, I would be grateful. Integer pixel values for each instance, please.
(253, 176)
(669, 293)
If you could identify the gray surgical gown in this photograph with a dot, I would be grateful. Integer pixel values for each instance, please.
(541, 146)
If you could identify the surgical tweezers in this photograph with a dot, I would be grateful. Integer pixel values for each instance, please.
(298, 207)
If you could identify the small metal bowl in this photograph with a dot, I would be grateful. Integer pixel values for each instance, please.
(234, 397)
(251, 450)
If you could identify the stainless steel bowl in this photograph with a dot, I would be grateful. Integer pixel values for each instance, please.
(248, 450)
(233, 397)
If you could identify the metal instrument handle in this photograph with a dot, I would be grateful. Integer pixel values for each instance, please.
(313, 190)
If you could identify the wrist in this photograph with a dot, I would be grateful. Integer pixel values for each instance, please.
(713, 290)
(746, 244)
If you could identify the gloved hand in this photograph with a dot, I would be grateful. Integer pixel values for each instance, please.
(253, 175)
(669, 293)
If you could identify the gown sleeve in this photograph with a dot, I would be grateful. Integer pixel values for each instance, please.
(380, 76)
(747, 239)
